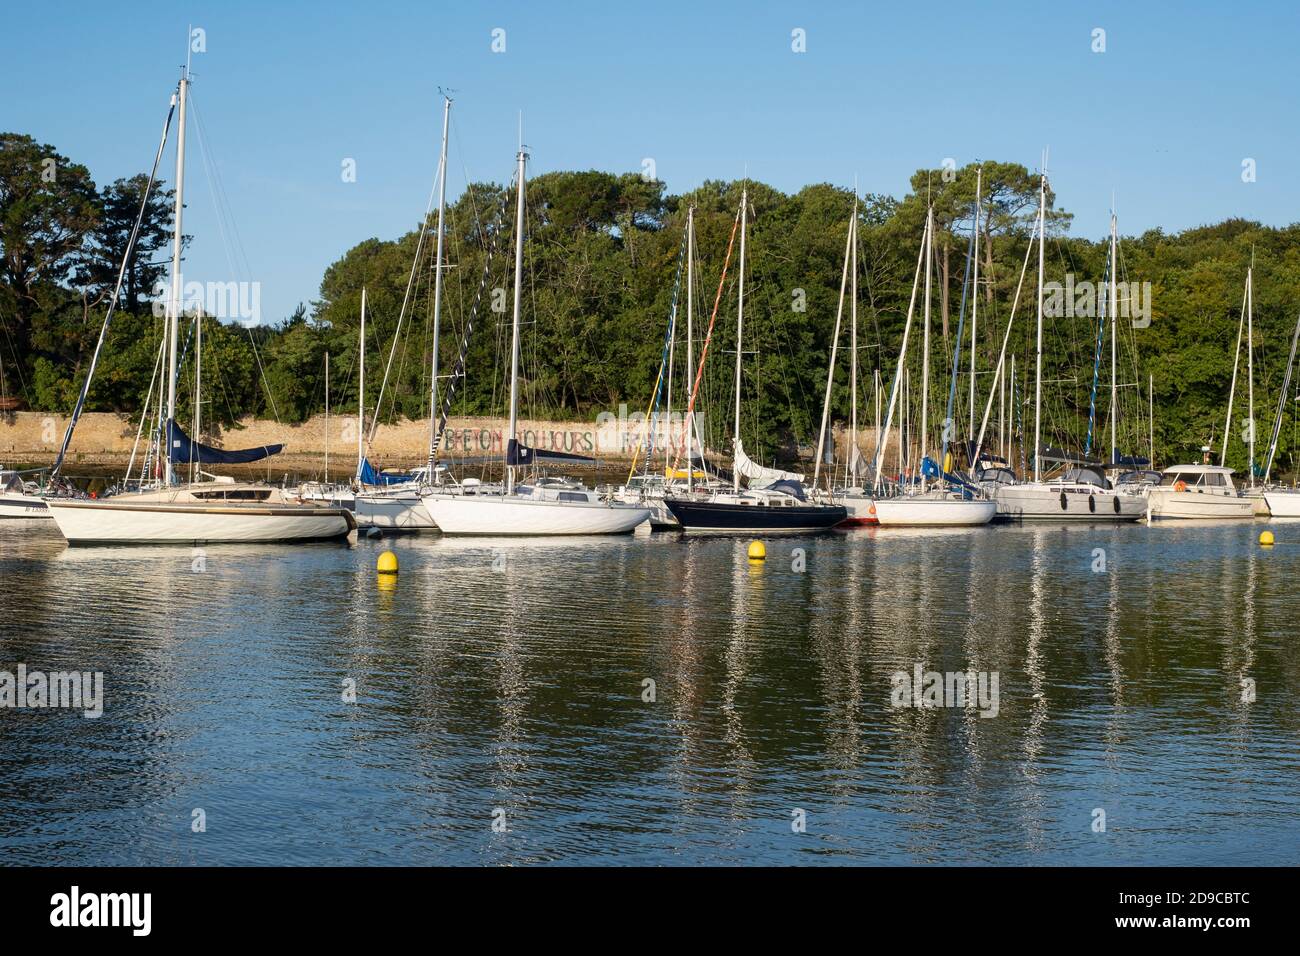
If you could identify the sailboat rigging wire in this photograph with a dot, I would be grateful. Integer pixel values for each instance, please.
(458, 373)
(406, 300)
(148, 400)
(1096, 361)
(708, 339)
(652, 412)
(961, 326)
(223, 214)
(117, 291)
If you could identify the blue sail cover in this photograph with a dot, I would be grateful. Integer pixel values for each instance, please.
(182, 449)
(369, 476)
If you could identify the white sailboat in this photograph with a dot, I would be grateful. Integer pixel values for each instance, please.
(522, 509)
(1198, 492)
(943, 505)
(1082, 492)
(215, 510)
(1246, 325)
(1282, 502)
(20, 499)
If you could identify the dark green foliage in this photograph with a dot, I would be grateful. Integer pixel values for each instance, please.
(599, 270)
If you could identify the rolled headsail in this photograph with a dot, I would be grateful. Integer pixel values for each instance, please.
(759, 476)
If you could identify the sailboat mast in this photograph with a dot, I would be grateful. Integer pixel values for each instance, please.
(1236, 364)
(514, 331)
(875, 385)
(327, 418)
(740, 330)
(925, 347)
(1151, 416)
(1114, 335)
(688, 431)
(437, 282)
(1281, 404)
(1250, 372)
(853, 364)
(900, 381)
(835, 343)
(975, 291)
(1038, 352)
(198, 379)
(177, 238)
(361, 389)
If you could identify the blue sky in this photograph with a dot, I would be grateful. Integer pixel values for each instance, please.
(286, 91)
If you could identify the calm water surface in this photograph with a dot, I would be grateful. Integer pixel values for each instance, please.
(506, 678)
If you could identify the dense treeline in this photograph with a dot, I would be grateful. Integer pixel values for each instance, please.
(600, 273)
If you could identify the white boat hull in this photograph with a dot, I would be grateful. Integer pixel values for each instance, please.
(861, 509)
(1193, 504)
(918, 511)
(395, 511)
(1047, 502)
(515, 515)
(13, 505)
(128, 522)
(1283, 504)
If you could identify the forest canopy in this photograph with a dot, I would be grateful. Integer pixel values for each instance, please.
(601, 269)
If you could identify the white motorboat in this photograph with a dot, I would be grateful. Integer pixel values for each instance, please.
(20, 499)
(1198, 491)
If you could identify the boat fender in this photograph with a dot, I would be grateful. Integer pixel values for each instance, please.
(1115, 500)
(1064, 503)
(1092, 503)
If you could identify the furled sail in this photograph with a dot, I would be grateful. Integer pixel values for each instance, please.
(517, 453)
(760, 477)
(858, 464)
(182, 449)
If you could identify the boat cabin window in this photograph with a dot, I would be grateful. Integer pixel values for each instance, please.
(239, 494)
(1176, 477)
(572, 496)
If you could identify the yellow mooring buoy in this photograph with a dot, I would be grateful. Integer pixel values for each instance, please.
(757, 551)
(1266, 538)
(387, 563)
